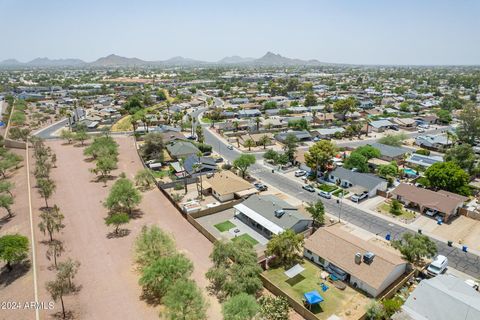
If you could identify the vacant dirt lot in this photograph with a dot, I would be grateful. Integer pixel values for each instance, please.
(107, 276)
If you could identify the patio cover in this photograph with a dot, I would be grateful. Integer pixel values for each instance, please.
(267, 224)
(313, 297)
(295, 270)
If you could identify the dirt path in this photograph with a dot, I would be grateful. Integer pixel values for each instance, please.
(17, 286)
(109, 281)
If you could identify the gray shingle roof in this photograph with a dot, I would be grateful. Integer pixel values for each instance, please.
(389, 151)
(365, 180)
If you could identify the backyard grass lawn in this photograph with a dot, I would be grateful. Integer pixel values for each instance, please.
(385, 209)
(247, 237)
(327, 187)
(224, 226)
(335, 301)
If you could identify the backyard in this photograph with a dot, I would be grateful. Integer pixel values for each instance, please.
(247, 238)
(348, 303)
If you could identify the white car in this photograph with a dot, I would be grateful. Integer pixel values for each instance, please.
(431, 213)
(421, 130)
(325, 194)
(438, 266)
(357, 197)
(300, 173)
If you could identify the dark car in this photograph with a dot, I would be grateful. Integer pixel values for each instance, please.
(218, 160)
(260, 186)
(309, 188)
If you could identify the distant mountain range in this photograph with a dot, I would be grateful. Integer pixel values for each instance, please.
(269, 59)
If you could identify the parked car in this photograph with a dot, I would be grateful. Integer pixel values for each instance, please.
(421, 130)
(431, 213)
(260, 186)
(300, 173)
(438, 266)
(218, 160)
(325, 194)
(308, 187)
(357, 197)
(230, 147)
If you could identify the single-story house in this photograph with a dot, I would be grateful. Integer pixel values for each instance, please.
(428, 119)
(422, 160)
(446, 203)
(270, 215)
(181, 149)
(444, 297)
(247, 113)
(390, 153)
(364, 265)
(381, 125)
(169, 136)
(328, 133)
(357, 180)
(195, 165)
(435, 142)
(225, 186)
(300, 135)
(324, 117)
(406, 123)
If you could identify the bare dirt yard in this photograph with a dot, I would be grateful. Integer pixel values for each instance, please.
(17, 286)
(107, 273)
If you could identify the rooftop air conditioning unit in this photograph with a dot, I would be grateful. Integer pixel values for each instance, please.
(368, 257)
(358, 258)
(279, 213)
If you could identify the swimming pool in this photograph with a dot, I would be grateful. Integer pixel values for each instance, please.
(410, 172)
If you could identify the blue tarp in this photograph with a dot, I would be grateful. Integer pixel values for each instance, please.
(2, 123)
(313, 297)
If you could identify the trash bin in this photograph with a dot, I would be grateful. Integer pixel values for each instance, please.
(273, 171)
(420, 231)
(387, 237)
(449, 243)
(464, 248)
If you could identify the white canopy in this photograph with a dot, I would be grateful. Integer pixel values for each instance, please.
(267, 224)
(293, 271)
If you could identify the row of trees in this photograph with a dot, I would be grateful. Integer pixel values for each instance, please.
(104, 152)
(165, 276)
(51, 223)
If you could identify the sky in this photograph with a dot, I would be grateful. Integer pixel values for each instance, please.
(420, 32)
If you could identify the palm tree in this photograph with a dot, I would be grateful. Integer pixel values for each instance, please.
(257, 122)
(249, 143)
(264, 140)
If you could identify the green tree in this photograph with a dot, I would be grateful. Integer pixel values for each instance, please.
(55, 250)
(310, 100)
(290, 146)
(105, 164)
(123, 196)
(184, 301)
(469, 129)
(159, 276)
(395, 140)
(444, 116)
(344, 106)
(270, 155)
(13, 249)
(46, 188)
(286, 247)
(144, 179)
(117, 219)
(153, 147)
(6, 202)
(264, 140)
(463, 155)
(396, 207)
(59, 288)
(300, 124)
(320, 155)
(102, 145)
(81, 135)
(448, 176)
(52, 221)
(388, 170)
(269, 105)
(368, 152)
(152, 243)
(274, 308)
(243, 162)
(357, 161)
(317, 212)
(415, 247)
(375, 311)
(6, 187)
(200, 135)
(235, 269)
(249, 143)
(240, 307)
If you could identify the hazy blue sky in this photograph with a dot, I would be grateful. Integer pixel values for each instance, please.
(371, 32)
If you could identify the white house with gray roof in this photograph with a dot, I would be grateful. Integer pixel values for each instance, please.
(357, 180)
(436, 142)
(269, 215)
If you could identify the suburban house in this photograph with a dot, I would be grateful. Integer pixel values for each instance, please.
(365, 265)
(357, 180)
(181, 149)
(390, 153)
(435, 142)
(422, 160)
(444, 202)
(381, 125)
(195, 165)
(405, 123)
(169, 136)
(247, 113)
(300, 135)
(428, 119)
(270, 215)
(444, 297)
(328, 133)
(225, 186)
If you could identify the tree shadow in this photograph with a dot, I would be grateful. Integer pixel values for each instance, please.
(104, 179)
(18, 270)
(293, 281)
(6, 219)
(68, 314)
(150, 298)
(136, 214)
(89, 160)
(120, 234)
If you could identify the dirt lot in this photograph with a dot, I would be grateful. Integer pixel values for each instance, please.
(107, 275)
(17, 286)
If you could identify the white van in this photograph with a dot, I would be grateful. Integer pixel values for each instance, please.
(438, 266)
